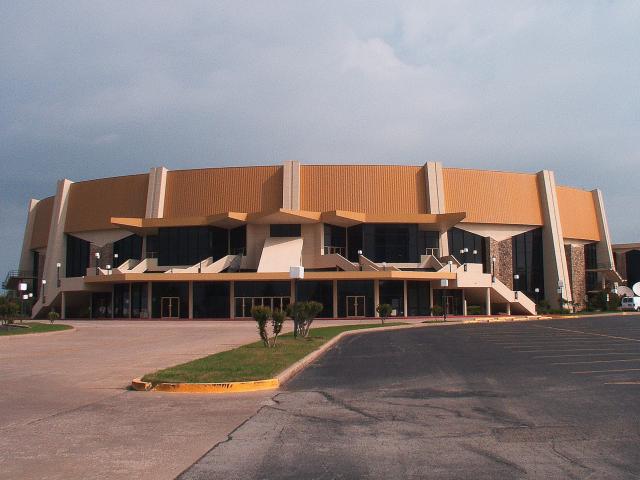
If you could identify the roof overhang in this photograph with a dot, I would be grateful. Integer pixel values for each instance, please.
(427, 221)
(151, 225)
(283, 215)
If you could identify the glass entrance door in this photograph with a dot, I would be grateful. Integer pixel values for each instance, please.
(452, 305)
(355, 305)
(170, 307)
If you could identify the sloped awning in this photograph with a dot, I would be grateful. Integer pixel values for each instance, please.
(439, 221)
(151, 225)
(284, 215)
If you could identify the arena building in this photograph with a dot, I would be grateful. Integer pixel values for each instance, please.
(210, 243)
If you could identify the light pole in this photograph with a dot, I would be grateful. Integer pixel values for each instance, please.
(115, 260)
(108, 269)
(475, 254)
(516, 277)
(537, 290)
(493, 269)
(44, 294)
(560, 287)
(58, 265)
(97, 255)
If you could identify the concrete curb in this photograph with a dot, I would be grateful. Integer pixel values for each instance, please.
(40, 334)
(229, 387)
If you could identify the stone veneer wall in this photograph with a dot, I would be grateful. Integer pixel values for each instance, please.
(577, 274)
(503, 251)
(106, 255)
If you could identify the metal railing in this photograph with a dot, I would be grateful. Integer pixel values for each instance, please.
(245, 304)
(329, 250)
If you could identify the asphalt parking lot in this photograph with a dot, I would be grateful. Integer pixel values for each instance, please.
(548, 399)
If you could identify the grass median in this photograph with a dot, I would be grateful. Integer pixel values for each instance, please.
(252, 361)
(33, 327)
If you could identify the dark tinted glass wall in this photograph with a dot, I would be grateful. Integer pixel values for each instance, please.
(238, 241)
(392, 293)
(460, 240)
(528, 262)
(262, 289)
(393, 243)
(286, 230)
(319, 292)
(591, 262)
(633, 267)
(173, 290)
(121, 301)
(35, 269)
(128, 248)
(77, 257)
(418, 298)
(211, 300)
(336, 237)
(139, 305)
(355, 288)
(190, 245)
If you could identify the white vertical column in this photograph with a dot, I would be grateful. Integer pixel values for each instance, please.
(335, 299)
(232, 299)
(63, 306)
(464, 303)
(430, 298)
(404, 298)
(191, 300)
(376, 296)
(149, 302)
(488, 301)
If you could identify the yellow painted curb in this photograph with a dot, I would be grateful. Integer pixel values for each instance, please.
(229, 387)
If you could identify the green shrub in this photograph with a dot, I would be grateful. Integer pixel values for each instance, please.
(277, 320)
(261, 315)
(437, 311)
(303, 314)
(53, 316)
(384, 310)
(475, 310)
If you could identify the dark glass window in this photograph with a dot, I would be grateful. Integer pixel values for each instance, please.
(392, 292)
(101, 304)
(319, 291)
(211, 300)
(335, 239)
(528, 263)
(238, 241)
(77, 257)
(450, 300)
(633, 267)
(460, 240)
(591, 262)
(354, 241)
(128, 248)
(285, 230)
(139, 306)
(152, 246)
(170, 299)
(418, 298)
(262, 289)
(355, 288)
(121, 300)
(190, 245)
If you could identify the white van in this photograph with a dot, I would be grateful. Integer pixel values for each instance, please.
(631, 303)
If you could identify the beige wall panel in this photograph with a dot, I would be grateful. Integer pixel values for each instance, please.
(42, 223)
(209, 191)
(94, 202)
(363, 188)
(256, 235)
(578, 214)
(493, 197)
(312, 234)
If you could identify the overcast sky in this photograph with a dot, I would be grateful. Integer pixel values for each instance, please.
(94, 89)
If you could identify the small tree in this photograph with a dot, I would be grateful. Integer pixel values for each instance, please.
(384, 310)
(303, 314)
(261, 315)
(53, 316)
(277, 321)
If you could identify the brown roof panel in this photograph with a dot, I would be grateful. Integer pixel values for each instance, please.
(493, 197)
(94, 202)
(371, 189)
(210, 191)
(42, 223)
(578, 214)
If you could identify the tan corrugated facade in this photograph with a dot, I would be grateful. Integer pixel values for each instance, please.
(42, 222)
(493, 197)
(94, 202)
(371, 189)
(210, 191)
(578, 214)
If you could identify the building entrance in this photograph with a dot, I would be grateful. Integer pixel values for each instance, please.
(245, 304)
(355, 305)
(170, 307)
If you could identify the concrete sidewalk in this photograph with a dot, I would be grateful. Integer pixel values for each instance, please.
(66, 412)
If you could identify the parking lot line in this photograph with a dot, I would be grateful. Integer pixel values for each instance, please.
(615, 370)
(545, 350)
(589, 333)
(598, 361)
(633, 382)
(585, 354)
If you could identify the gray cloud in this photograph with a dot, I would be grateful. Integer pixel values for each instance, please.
(91, 89)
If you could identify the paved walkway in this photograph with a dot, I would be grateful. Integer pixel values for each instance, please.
(66, 413)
